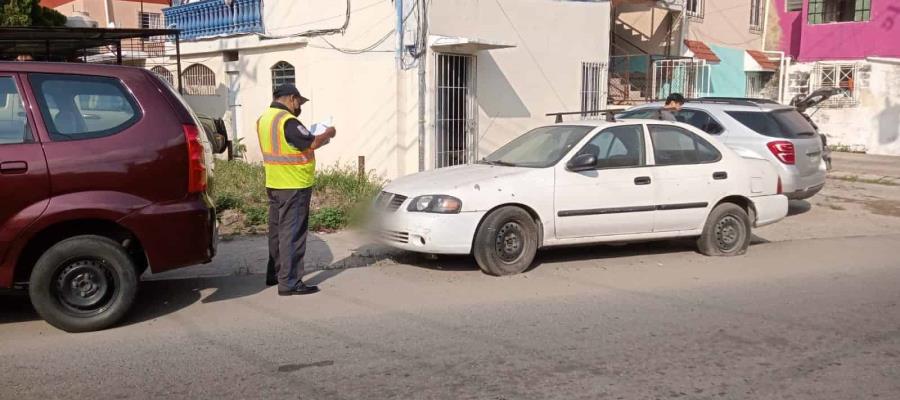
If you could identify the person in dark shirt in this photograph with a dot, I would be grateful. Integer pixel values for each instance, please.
(672, 107)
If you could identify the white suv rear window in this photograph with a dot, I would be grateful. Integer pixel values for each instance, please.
(788, 124)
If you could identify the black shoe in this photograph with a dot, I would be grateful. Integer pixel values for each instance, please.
(300, 289)
(271, 281)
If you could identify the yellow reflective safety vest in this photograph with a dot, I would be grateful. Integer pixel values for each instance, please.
(286, 166)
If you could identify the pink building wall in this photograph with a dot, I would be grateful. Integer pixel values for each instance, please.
(880, 36)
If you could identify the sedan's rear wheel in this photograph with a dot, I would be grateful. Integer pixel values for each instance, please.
(727, 231)
(85, 283)
(506, 242)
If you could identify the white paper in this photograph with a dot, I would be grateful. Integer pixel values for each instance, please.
(318, 129)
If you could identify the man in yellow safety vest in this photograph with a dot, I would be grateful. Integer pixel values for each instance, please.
(288, 149)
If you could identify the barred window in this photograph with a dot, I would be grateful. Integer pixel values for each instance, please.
(756, 16)
(199, 80)
(164, 73)
(844, 76)
(825, 11)
(282, 73)
(694, 8)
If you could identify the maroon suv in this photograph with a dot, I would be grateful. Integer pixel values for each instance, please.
(103, 173)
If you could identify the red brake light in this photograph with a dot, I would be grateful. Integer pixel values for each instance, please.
(783, 150)
(196, 166)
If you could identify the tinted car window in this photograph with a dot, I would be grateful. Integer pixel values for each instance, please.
(617, 147)
(13, 122)
(83, 107)
(700, 120)
(643, 113)
(786, 124)
(675, 146)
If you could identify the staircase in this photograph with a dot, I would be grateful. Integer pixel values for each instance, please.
(622, 92)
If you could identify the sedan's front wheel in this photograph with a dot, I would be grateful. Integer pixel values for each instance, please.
(506, 242)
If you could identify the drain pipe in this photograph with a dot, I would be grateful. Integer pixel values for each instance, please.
(421, 71)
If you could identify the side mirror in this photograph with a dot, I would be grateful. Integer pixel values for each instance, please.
(582, 162)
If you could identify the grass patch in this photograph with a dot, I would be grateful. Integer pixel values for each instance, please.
(339, 200)
(858, 179)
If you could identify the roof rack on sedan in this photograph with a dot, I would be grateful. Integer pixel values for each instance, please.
(610, 114)
(735, 101)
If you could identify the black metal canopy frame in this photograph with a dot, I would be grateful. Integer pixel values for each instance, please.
(155, 49)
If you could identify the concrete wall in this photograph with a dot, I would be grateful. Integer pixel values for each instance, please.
(725, 23)
(728, 78)
(374, 103)
(124, 12)
(645, 27)
(542, 74)
(874, 124)
(844, 40)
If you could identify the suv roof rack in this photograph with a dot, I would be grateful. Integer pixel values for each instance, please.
(736, 101)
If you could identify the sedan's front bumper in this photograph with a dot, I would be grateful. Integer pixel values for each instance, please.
(428, 232)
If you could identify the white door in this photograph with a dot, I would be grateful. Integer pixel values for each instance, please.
(689, 176)
(616, 197)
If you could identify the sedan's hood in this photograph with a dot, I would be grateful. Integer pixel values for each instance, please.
(454, 180)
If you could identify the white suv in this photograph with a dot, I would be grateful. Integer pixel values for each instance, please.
(584, 182)
(759, 127)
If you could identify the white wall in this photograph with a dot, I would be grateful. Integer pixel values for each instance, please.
(517, 86)
(874, 124)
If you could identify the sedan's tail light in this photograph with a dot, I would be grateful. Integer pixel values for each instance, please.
(783, 151)
(196, 166)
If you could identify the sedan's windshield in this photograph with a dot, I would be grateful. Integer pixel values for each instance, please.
(539, 148)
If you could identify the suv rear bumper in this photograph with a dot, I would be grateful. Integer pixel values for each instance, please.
(804, 193)
(176, 234)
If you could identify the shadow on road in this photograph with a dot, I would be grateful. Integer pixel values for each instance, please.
(797, 207)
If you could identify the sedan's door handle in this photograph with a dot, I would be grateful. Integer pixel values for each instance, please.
(642, 180)
(720, 175)
(13, 167)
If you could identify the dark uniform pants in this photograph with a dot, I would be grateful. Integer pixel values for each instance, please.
(288, 223)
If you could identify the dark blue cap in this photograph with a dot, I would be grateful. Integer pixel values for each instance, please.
(288, 90)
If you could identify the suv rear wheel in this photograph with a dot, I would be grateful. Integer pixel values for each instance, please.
(84, 283)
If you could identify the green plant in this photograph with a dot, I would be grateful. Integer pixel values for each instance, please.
(227, 201)
(256, 215)
(328, 218)
(28, 13)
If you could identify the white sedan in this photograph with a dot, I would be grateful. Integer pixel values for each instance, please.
(584, 182)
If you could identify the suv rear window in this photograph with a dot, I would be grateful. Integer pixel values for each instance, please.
(788, 124)
(78, 107)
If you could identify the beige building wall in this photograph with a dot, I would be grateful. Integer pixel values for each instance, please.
(645, 26)
(724, 23)
(124, 13)
(374, 104)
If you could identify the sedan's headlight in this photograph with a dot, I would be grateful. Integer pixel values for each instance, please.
(435, 204)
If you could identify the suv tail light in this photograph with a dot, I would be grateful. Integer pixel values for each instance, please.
(783, 150)
(196, 166)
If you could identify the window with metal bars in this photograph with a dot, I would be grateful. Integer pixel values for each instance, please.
(282, 74)
(455, 110)
(826, 11)
(756, 16)
(592, 81)
(694, 8)
(164, 73)
(199, 80)
(793, 5)
(150, 20)
(844, 76)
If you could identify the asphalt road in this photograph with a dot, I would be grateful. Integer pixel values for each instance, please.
(802, 319)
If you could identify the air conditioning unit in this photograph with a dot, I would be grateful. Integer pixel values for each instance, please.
(81, 19)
